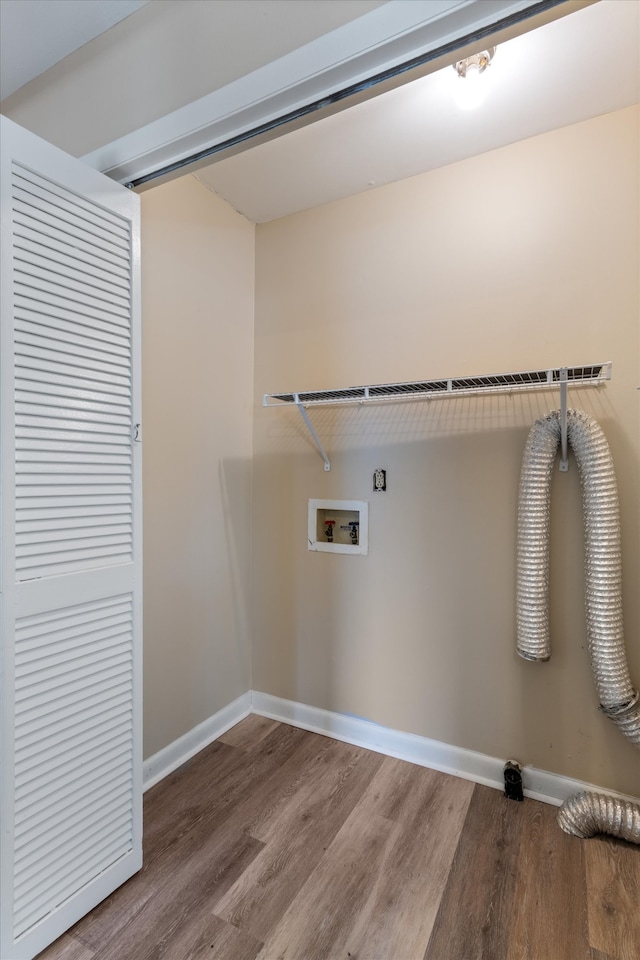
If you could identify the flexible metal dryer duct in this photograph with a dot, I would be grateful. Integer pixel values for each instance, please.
(603, 596)
(586, 814)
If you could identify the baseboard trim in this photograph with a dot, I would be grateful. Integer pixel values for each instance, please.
(165, 761)
(467, 764)
(457, 761)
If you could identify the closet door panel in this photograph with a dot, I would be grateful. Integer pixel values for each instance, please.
(71, 544)
(56, 655)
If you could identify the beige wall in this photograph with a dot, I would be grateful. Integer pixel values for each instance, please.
(166, 55)
(198, 296)
(522, 258)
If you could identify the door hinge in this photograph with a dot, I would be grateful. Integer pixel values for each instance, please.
(136, 433)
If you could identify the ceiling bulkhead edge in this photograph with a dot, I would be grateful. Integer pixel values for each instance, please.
(392, 44)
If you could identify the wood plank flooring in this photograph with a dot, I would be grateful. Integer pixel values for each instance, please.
(278, 844)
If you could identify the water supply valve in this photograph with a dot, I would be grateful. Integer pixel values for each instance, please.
(328, 529)
(354, 526)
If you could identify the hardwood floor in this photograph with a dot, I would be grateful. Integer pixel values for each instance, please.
(278, 844)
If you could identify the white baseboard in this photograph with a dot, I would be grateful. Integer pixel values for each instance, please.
(165, 761)
(468, 764)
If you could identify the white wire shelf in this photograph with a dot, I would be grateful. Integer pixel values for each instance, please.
(593, 375)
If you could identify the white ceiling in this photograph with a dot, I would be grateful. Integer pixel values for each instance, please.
(580, 66)
(36, 34)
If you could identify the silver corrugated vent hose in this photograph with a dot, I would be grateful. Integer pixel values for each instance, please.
(586, 813)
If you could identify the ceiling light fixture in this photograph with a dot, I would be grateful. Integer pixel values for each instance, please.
(472, 92)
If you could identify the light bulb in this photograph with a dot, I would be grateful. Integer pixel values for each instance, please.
(471, 87)
(470, 90)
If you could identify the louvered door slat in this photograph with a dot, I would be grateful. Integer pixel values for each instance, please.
(70, 515)
(46, 839)
(70, 494)
(34, 262)
(46, 459)
(46, 823)
(84, 710)
(37, 816)
(34, 724)
(71, 322)
(34, 296)
(63, 506)
(108, 339)
(40, 453)
(77, 772)
(67, 642)
(105, 847)
(60, 745)
(61, 399)
(92, 435)
(72, 446)
(65, 635)
(100, 214)
(45, 852)
(71, 537)
(66, 723)
(30, 299)
(93, 689)
(49, 231)
(48, 291)
(56, 474)
(70, 268)
(58, 413)
(59, 242)
(81, 615)
(72, 511)
(41, 459)
(45, 208)
(74, 360)
(67, 326)
(44, 278)
(73, 484)
(71, 676)
(69, 394)
(36, 376)
(115, 733)
(70, 207)
(65, 335)
(68, 562)
(27, 245)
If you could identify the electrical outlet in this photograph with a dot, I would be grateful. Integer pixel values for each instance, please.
(379, 480)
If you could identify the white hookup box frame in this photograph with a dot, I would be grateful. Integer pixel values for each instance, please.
(341, 515)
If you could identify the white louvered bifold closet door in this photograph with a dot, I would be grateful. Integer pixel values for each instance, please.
(71, 542)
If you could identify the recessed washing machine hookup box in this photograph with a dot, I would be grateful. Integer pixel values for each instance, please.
(339, 526)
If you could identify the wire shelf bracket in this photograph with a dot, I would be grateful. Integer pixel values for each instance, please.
(564, 453)
(593, 375)
(316, 438)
